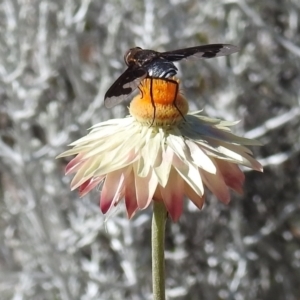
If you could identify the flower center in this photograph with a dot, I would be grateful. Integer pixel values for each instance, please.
(159, 102)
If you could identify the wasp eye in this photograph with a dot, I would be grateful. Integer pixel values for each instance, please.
(129, 55)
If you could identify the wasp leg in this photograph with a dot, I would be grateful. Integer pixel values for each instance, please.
(152, 101)
(141, 91)
(175, 96)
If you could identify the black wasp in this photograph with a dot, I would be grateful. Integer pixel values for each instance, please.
(144, 63)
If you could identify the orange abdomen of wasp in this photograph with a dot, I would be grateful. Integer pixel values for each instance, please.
(161, 94)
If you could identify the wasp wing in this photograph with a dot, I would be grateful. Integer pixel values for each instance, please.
(205, 51)
(124, 86)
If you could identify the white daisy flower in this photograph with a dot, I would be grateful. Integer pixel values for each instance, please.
(160, 153)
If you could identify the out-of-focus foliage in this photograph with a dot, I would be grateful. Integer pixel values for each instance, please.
(57, 59)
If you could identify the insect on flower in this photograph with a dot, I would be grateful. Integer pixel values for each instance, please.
(143, 63)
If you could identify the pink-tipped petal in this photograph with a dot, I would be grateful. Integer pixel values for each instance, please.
(173, 194)
(193, 196)
(130, 195)
(87, 186)
(216, 185)
(233, 176)
(79, 177)
(74, 164)
(111, 190)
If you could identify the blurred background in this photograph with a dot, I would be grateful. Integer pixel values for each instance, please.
(57, 59)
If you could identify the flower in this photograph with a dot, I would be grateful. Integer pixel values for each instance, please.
(160, 153)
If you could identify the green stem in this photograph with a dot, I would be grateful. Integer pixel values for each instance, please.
(158, 250)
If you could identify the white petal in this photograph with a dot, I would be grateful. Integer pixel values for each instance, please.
(163, 171)
(145, 188)
(200, 158)
(150, 155)
(190, 174)
(178, 146)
